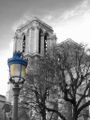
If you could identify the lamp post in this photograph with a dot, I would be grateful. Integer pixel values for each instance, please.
(17, 70)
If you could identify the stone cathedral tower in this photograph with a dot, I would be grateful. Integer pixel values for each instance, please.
(34, 38)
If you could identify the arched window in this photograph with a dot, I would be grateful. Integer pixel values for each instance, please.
(24, 43)
(45, 43)
(39, 46)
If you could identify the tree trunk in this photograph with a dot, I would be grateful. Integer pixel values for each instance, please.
(43, 113)
(75, 116)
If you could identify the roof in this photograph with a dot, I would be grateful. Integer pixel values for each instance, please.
(68, 41)
(28, 22)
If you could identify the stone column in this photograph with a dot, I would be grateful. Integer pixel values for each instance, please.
(27, 42)
(36, 39)
(42, 44)
(17, 42)
(33, 39)
(52, 40)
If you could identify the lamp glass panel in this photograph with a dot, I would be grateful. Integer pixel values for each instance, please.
(15, 70)
(23, 73)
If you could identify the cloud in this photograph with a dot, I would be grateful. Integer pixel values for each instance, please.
(73, 23)
(77, 11)
(61, 9)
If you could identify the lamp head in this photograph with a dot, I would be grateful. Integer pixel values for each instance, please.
(17, 68)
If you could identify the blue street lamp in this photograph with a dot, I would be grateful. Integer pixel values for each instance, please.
(17, 70)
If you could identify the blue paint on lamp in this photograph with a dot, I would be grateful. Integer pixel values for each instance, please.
(17, 59)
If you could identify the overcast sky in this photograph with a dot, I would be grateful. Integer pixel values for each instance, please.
(69, 19)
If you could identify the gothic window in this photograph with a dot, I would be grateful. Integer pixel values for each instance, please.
(39, 46)
(23, 44)
(45, 43)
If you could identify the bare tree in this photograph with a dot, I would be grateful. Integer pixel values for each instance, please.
(64, 70)
(73, 72)
(38, 87)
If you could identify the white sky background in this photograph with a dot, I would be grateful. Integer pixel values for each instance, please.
(4, 70)
(73, 23)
